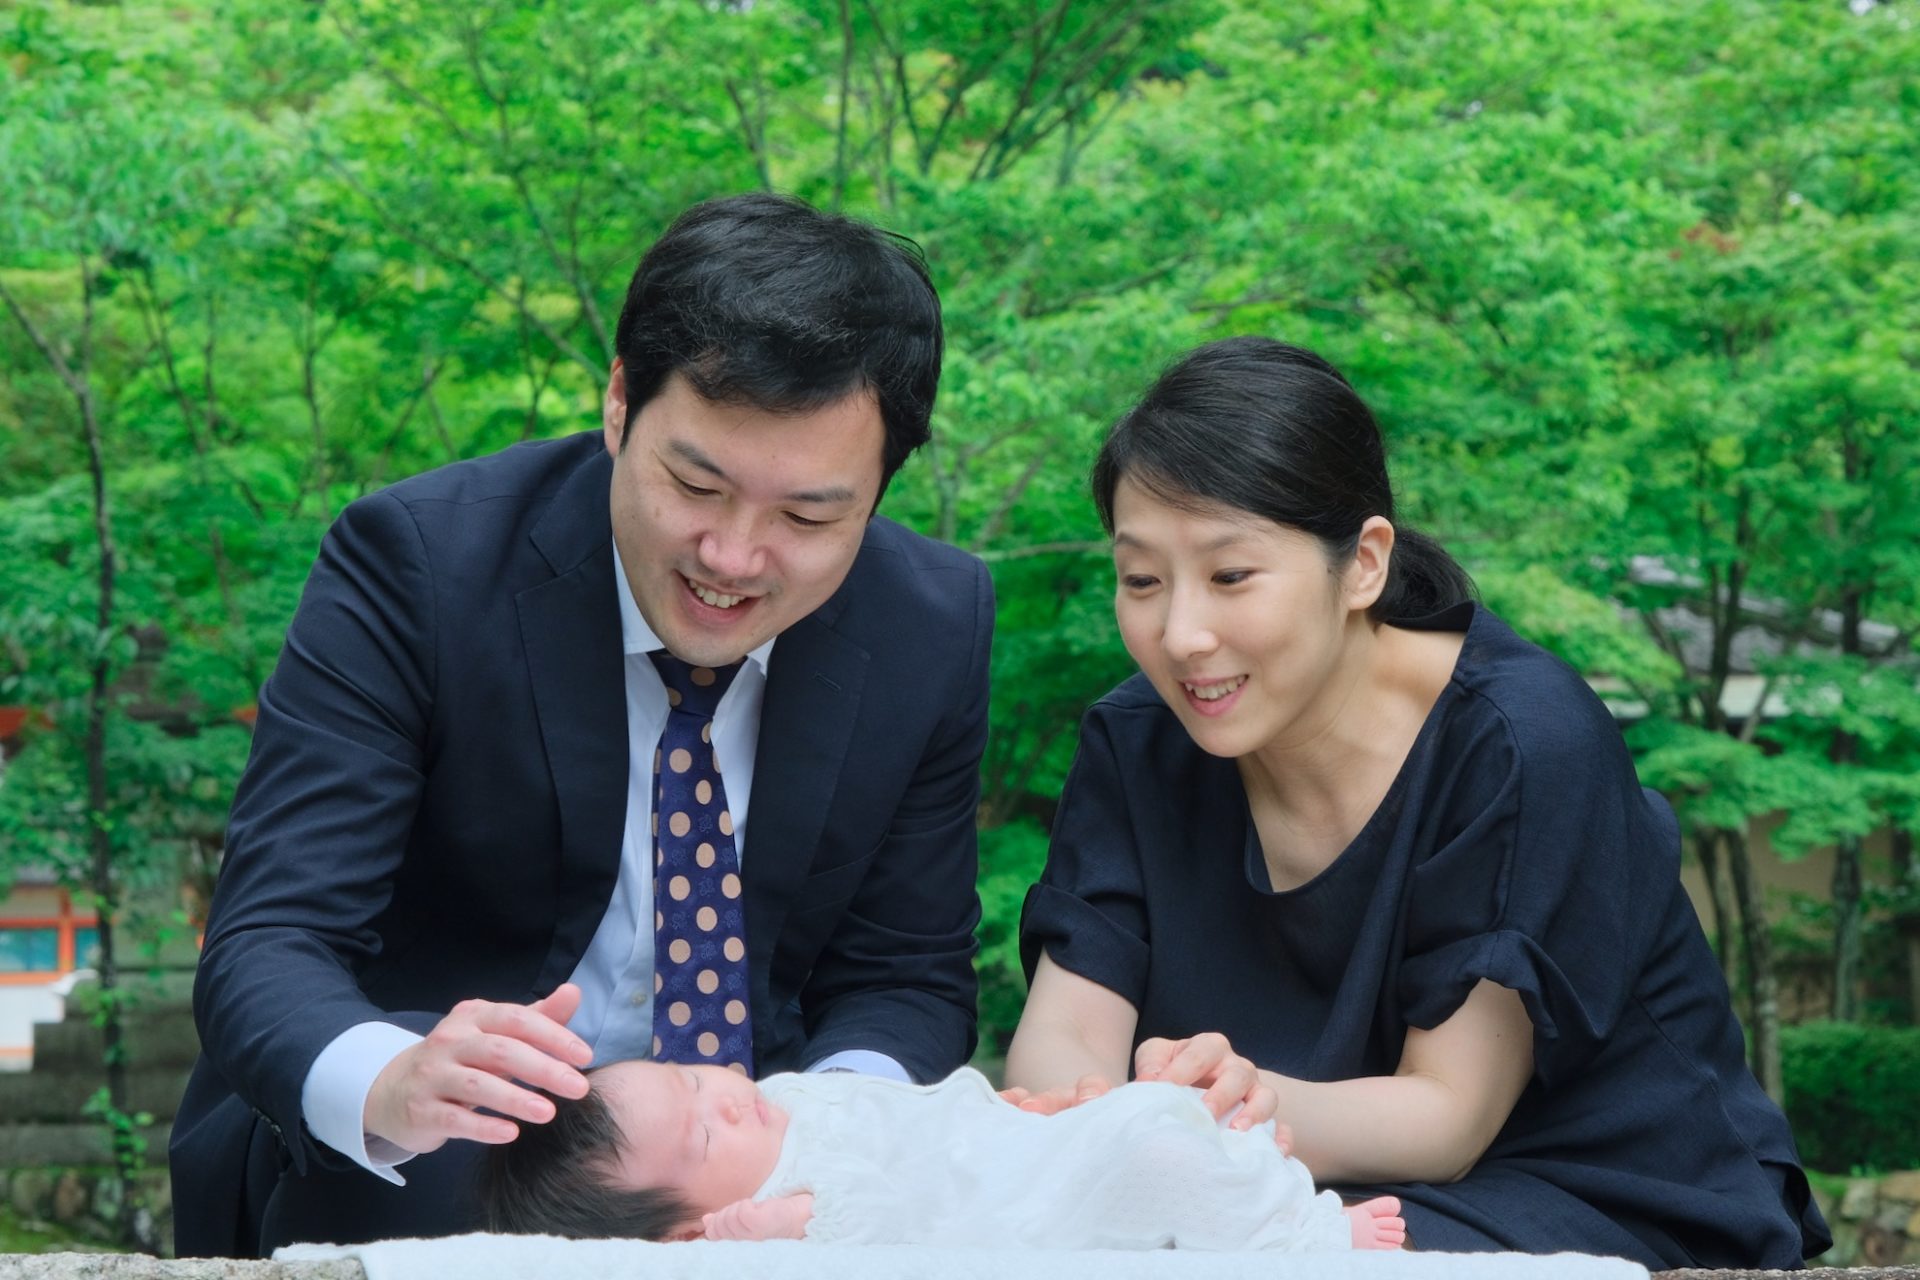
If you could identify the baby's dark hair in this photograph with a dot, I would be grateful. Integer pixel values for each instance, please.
(559, 1179)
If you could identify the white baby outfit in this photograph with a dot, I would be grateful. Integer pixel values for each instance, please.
(951, 1164)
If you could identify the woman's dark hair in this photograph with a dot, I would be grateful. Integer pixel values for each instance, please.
(1273, 430)
(558, 1179)
(763, 300)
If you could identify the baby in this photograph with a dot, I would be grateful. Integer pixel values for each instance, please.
(670, 1152)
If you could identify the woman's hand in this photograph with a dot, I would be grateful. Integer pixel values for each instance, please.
(1208, 1061)
(1072, 1029)
(1051, 1102)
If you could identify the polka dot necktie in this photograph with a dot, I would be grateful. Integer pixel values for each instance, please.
(700, 993)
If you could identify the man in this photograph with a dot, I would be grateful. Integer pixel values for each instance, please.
(447, 829)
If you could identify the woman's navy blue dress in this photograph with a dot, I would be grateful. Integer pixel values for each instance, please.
(1516, 845)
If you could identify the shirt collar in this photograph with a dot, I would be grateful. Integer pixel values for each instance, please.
(637, 637)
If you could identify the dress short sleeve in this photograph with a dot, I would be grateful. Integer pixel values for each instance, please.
(1553, 875)
(1087, 911)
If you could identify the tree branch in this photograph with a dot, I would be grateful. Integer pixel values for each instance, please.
(755, 143)
(1088, 548)
(407, 91)
(1011, 499)
(55, 361)
(846, 98)
(593, 368)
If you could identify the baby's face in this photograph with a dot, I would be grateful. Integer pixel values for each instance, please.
(705, 1131)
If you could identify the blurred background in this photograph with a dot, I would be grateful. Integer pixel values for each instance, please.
(1633, 286)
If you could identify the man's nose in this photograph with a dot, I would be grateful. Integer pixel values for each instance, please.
(731, 551)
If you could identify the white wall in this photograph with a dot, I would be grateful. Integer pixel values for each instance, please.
(20, 1008)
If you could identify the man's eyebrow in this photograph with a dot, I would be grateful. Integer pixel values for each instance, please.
(693, 457)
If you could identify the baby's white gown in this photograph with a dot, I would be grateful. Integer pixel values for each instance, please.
(1144, 1167)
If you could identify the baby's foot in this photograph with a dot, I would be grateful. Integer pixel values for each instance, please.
(1377, 1224)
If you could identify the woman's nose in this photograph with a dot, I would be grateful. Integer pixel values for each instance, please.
(1188, 633)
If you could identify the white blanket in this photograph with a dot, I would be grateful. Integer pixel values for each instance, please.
(496, 1257)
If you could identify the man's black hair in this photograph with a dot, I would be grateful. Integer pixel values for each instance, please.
(560, 1179)
(763, 300)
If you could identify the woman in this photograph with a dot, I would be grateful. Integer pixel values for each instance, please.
(1345, 823)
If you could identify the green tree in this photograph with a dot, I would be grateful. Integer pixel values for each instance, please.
(112, 179)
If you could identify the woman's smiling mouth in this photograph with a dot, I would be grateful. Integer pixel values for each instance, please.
(1213, 697)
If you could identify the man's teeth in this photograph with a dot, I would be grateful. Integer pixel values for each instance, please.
(714, 598)
(1214, 692)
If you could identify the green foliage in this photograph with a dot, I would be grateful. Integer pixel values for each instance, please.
(1852, 1095)
(1010, 860)
(29, 1236)
(127, 1133)
(1629, 284)
(1586, 631)
(1802, 938)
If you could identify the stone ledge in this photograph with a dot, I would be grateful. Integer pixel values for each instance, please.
(1811, 1273)
(135, 1266)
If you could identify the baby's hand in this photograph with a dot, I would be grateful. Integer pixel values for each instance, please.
(781, 1218)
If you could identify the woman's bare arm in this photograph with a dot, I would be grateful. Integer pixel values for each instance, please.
(1430, 1121)
(1073, 1040)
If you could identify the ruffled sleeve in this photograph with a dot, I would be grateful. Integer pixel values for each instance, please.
(855, 1202)
(1087, 911)
(1553, 875)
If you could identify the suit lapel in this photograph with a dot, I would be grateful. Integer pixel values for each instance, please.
(814, 681)
(570, 629)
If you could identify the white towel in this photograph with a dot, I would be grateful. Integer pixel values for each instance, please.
(499, 1257)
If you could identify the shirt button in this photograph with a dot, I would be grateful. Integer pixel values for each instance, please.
(638, 999)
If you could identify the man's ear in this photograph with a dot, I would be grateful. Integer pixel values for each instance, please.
(1366, 574)
(613, 410)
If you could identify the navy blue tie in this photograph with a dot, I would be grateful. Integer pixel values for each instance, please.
(700, 993)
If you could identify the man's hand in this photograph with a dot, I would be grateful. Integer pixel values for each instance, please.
(1209, 1062)
(780, 1218)
(1051, 1102)
(472, 1059)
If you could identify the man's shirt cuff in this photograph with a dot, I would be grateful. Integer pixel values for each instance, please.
(867, 1062)
(334, 1099)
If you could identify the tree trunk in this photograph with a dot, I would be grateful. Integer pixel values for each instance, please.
(846, 100)
(103, 881)
(1726, 939)
(1847, 888)
(1763, 991)
(1906, 879)
(1847, 891)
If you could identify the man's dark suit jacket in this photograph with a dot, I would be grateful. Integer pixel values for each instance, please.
(434, 806)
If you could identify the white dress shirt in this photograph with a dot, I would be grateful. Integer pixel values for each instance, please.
(615, 974)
